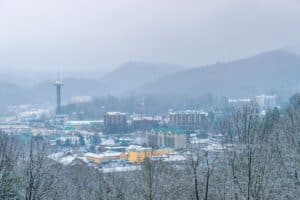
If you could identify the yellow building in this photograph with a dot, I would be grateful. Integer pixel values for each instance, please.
(107, 156)
(139, 155)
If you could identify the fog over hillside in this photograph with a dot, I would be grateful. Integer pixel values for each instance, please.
(121, 81)
(132, 75)
(270, 72)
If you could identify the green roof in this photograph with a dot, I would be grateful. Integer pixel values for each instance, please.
(68, 128)
(166, 148)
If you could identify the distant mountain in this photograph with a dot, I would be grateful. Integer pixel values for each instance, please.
(10, 94)
(276, 71)
(132, 75)
(271, 72)
(126, 78)
(45, 91)
(293, 49)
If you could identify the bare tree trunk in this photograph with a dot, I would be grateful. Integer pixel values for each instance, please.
(196, 183)
(207, 176)
(9, 156)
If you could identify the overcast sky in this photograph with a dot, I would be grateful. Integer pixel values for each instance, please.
(64, 35)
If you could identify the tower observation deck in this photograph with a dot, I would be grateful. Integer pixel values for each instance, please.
(58, 84)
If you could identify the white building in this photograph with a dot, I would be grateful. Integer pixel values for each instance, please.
(266, 102)
(167, 137)
(81, 99)
(239, 102)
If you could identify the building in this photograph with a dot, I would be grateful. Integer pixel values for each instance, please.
(144, 123)
(81, 99)
(239, 102)
(167, 137)
(115, 122)
(60, 119)
(14, 128)
(189, 119)
(266, 102)
(105, 157)
(87, 125)
(140, 154)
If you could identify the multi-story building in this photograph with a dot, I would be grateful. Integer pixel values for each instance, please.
(104, 157)
(115, 122)
(140, 154)
(266, 102)
(239, 102)
(144, 123)
(81, 99)
(167, 137)
(186, 119)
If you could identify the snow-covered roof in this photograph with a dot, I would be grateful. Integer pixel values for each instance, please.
(138, 148)
(111, 154)
(105, 154)
(239, 100)
(186, 112)
(120, 169)
(67, 160)
(115, 113)
(139, 117)
(63, 158)
(170, 158)
(107, 142)
(93, 155)
(83, 122)
(215, 147)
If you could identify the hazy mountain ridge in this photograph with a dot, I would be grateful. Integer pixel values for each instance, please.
(132, 75)
(72, 87)
(9, 93)
(125, 78)
(263, 73)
